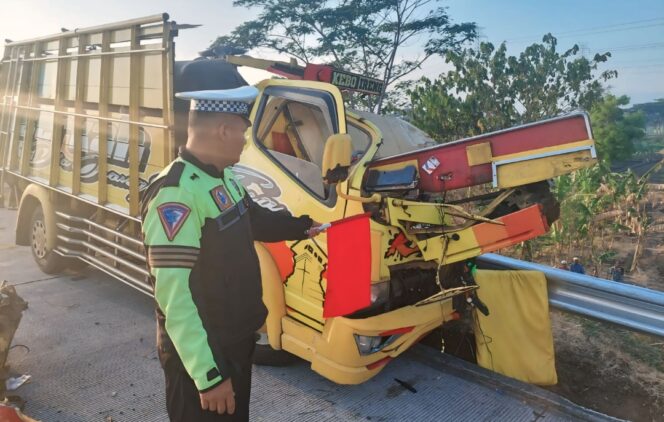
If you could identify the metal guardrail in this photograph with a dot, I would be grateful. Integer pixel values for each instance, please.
(627, 305)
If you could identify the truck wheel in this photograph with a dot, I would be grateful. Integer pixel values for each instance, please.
(527, 195)
(47, 260)
(265, 355)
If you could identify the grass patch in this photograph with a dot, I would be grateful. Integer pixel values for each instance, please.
(642, 348)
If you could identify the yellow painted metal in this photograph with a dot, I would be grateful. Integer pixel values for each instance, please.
(79, 121)
(7, 75)
(134, 115)
(375, 198)
(168, 95)
(298, 338)
(94, 30)
(273, 295)
(74, 82)
(104, 97)
(320, 86)
(337, 153)
(334, 353)
(534, 170)
(303, 289)
(57, 128)
(359, 169)
(377, 273)
(381, 244)
(4, 127)
(444, 248)
(479, 153)
(20, 72)
(30, 116)
(401, 210)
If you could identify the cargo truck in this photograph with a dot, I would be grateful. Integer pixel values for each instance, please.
(89, 117)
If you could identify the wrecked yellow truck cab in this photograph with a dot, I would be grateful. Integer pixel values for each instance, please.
(411, 238)
(89, 118)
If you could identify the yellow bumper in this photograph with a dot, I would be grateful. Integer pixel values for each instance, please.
(334, 353)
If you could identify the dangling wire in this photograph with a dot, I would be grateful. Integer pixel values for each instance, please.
(485, 339)
(446, 242)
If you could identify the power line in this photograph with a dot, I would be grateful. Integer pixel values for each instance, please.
(637, 62)
(661, 18)
(605, 31)
(641, 66)
(641, 71)
(631, 47)
(601, 29)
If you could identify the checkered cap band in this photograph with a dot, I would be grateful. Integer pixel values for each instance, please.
(235, 107)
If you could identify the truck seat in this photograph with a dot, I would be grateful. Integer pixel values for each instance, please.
(282, 144)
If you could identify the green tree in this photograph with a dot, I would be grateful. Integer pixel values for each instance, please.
(489, 90)
(615, 130)
(365, 36)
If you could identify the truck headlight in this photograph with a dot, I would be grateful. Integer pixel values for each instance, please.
(369, 344)
(372, 344)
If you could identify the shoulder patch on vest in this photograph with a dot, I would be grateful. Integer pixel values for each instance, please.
(221, 197)
(172, 216)
(172, 178)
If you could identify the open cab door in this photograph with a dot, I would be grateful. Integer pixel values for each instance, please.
(282, 165)
(297, 127)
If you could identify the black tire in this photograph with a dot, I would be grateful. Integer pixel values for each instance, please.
(525, 196)
(265, 355)
(47, 260)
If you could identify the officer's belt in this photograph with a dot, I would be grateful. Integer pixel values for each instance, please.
(233, 214)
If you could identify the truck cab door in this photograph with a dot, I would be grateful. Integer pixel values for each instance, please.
(281, 168)
(292, 121)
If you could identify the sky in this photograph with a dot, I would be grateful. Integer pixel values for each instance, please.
(632, 30)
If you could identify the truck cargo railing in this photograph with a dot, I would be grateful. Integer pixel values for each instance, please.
(88, 113)
(627, 305)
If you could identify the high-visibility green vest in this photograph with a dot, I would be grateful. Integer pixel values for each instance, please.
(199, 225)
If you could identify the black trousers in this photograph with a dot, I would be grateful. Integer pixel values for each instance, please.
(182, 399)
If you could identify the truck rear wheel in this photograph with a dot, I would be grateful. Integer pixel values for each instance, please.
(265, 355)
(47, 260)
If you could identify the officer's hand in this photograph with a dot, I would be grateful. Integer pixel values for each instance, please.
(316, 229)
(220, 399)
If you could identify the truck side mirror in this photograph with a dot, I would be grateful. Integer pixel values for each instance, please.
(336, 158)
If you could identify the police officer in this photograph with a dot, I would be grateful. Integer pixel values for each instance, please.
(199, 226)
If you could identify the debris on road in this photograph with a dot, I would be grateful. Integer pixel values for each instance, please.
(13, 383)
(11, 310)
